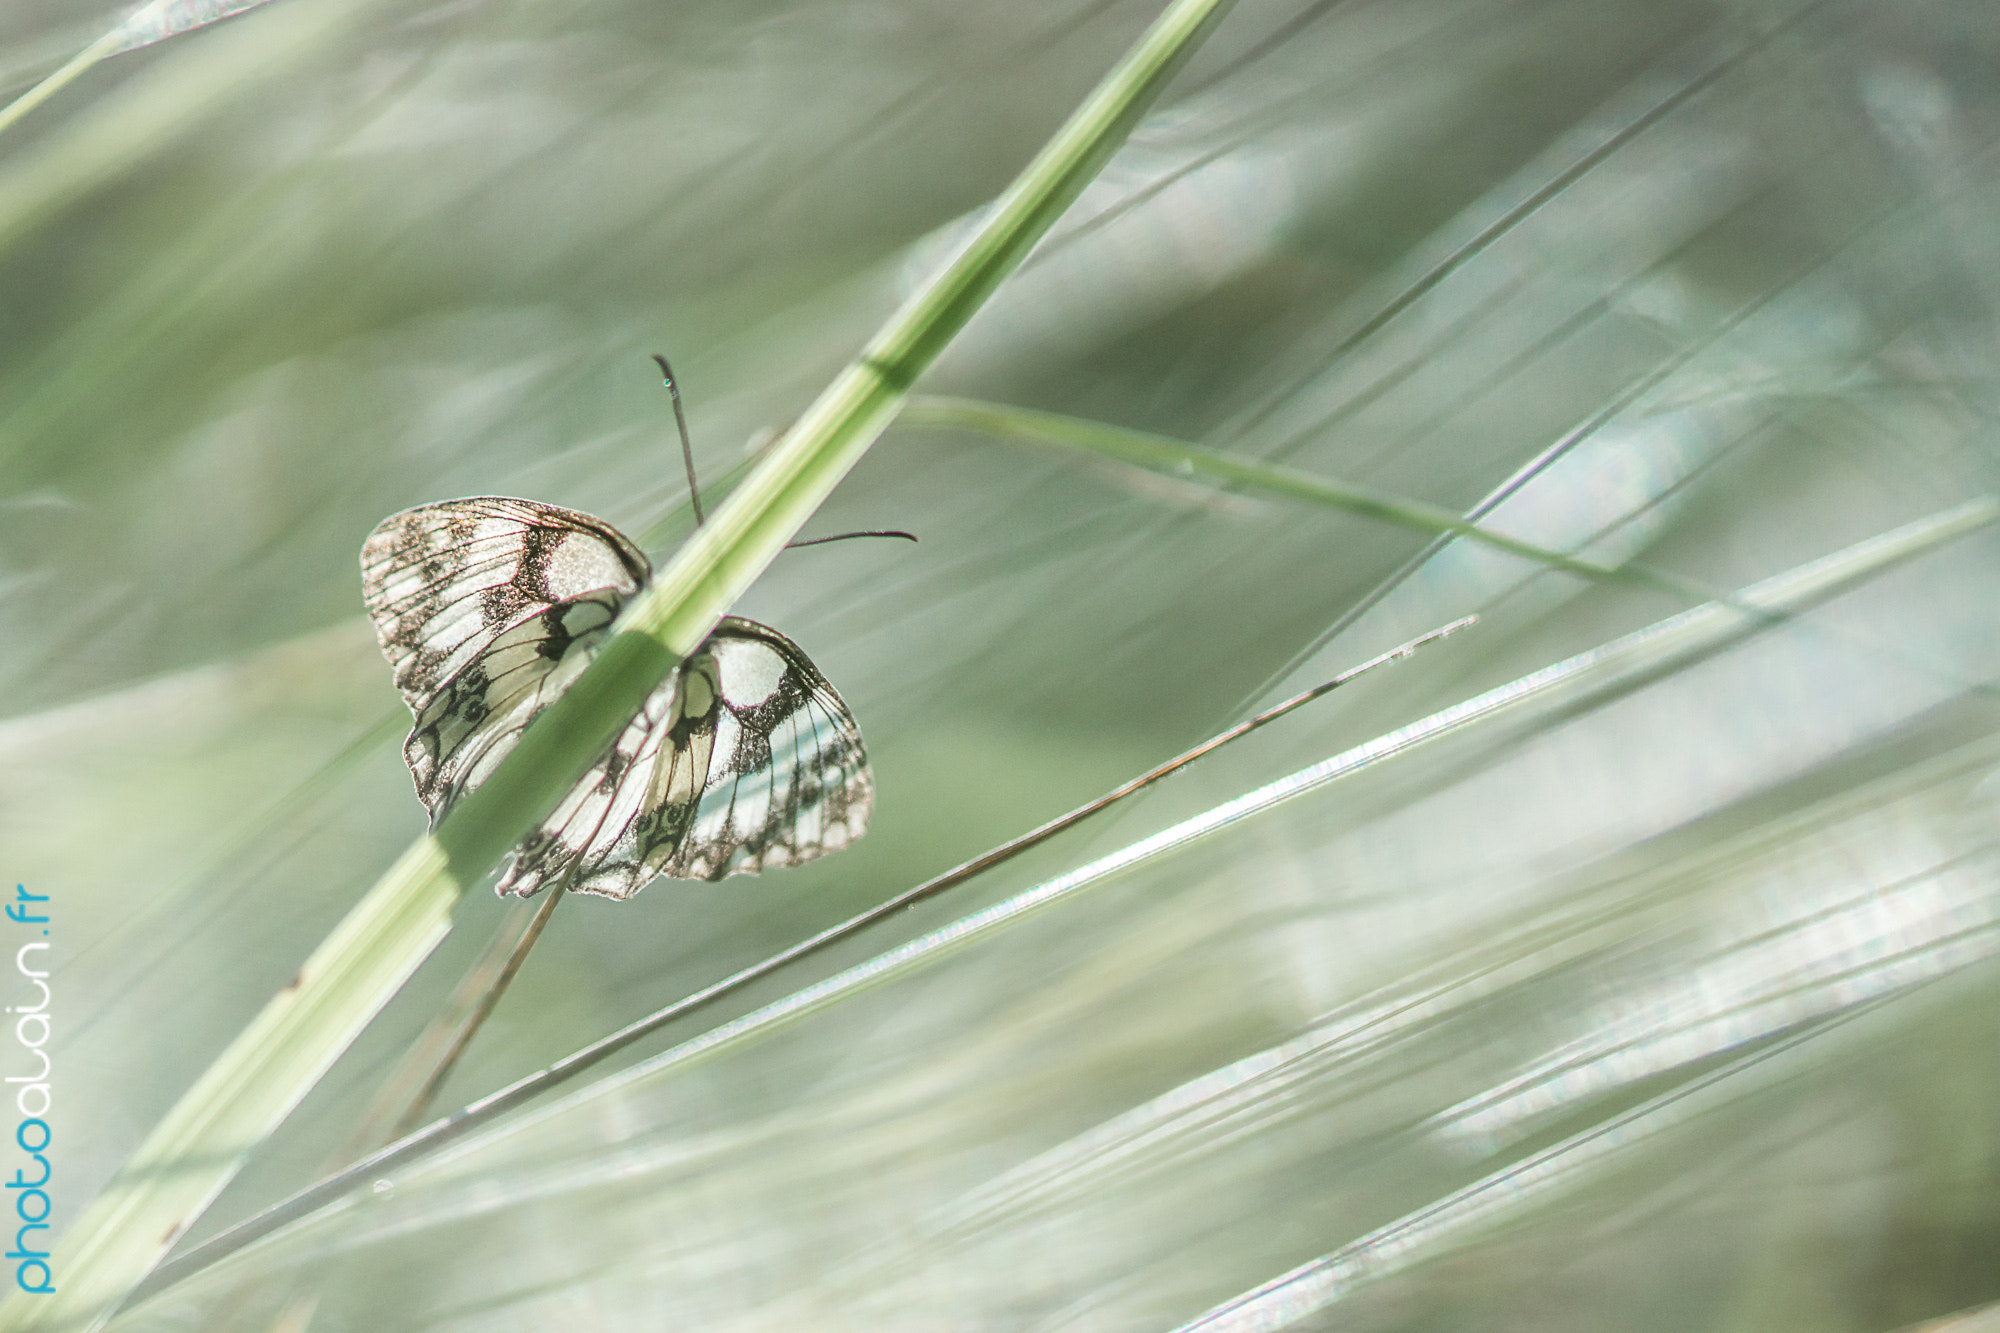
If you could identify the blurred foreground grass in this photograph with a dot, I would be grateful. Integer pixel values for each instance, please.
(1713, 285)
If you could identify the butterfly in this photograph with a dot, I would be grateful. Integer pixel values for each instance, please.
(743, 759)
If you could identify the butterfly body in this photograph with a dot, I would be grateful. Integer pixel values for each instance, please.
(743, 759)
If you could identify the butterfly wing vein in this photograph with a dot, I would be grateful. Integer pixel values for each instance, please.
(743, 759)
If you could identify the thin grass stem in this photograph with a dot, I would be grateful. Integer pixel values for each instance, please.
(507, 1099)
(1665, 645)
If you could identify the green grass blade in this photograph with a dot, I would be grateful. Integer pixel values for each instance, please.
(1489, 1203)
(250, 1089)
(722, 559)
(726, 555)
(154, 22)
(470, 1119)
(1660, 647)
(135, 122)
(1164, 454)
(104, 46)
(192, 1153)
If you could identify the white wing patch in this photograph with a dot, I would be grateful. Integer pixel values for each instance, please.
(743, 759)
(787, 777)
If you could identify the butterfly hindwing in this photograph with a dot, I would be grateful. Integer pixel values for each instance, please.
(787, 777)
(742, 759)
(594, 841)
(745, 759)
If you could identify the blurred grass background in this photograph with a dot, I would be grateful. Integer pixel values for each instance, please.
(1718, 945)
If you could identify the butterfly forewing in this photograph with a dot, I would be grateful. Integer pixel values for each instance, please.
(443, 581)
(743, 759)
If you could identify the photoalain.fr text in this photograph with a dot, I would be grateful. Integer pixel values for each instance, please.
(30, 1254)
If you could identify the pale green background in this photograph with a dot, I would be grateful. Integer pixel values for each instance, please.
(259, 291)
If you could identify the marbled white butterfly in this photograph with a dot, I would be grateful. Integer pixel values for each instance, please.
(743, 759)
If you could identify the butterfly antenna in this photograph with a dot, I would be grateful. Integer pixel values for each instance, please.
(694, 488)
(687, 449)
(844, 536)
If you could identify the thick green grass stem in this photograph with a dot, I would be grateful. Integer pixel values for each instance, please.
(191, 1154)
(194, 1152)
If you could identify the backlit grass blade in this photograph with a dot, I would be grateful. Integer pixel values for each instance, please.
(256, 1082)
(1660, 647)
(1165, 454)
(415, 1147)
(1490, 1203)
(129, 125)
(153, 22)
(150, 23)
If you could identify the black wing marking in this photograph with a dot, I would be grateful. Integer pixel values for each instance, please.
(744, 759)
(486, 609)
(642, 793)
(787, 776)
